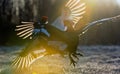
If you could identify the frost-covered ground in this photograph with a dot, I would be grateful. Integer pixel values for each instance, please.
(96, 60)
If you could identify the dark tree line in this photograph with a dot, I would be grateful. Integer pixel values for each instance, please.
(14, 11)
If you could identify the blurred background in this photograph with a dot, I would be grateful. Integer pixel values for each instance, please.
(14, 11)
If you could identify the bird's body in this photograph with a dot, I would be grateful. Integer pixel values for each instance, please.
(62, 35)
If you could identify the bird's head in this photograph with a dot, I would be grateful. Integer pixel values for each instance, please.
(44, 19)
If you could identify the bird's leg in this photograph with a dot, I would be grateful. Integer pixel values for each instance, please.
(72, 61)
(72, 56)
(75, 55)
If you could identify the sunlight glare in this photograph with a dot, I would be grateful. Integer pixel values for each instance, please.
(118, 1)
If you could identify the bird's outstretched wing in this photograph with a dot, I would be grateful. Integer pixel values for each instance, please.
(27, 30)
(73, 12)
(99, 22)
(24, 62)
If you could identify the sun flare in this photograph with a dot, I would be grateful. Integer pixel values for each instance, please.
(118, 1)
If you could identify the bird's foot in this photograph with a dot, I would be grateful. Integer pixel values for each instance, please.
(74, 57)
(73, 62)
(80, 54)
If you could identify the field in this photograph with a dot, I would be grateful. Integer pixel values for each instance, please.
(97, 60)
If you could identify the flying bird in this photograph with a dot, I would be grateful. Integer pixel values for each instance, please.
(58, 37)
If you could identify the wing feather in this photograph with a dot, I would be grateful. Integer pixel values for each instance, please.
(78, 14)
(27, 62)
(73, 12)
(76, 11)
(78, 6)
(22, 62)
(25, 30)
(27, 22)
(79, 11)
(74, 4)
(15, 61)
(76, 19)
(19, 63)
(69, 2)
(26, 33)
(24, 25)
(22, 28)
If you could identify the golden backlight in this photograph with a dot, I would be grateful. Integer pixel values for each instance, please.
(118, 1)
